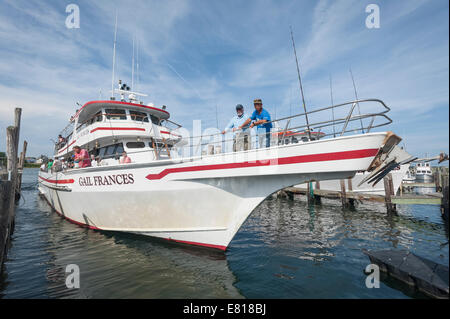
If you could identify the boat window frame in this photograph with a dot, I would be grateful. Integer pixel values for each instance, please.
(136, 142)
(108, 116)
(144, 118)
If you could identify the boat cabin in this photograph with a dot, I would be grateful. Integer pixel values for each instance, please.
(107, 128)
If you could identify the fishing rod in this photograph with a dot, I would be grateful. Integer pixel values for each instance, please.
(357, 103)
(300, 83)
(114, 59)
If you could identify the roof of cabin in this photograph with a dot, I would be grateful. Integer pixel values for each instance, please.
(90, 108)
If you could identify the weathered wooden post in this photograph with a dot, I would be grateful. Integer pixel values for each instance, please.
(8, 188)
(343, 194)
(317, 196)
(5, 193)
(351, 201)
(445, 199)
(437, 180)
(12, 149)
(389, 192)
(308, 193)
(20, 167)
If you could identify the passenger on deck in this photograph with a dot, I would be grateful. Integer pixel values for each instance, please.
(125, 159)
(241, 138)
(82, 157)
(261, 118)
(94, 162)
(63, 164)
(61, 141)
(49, 164)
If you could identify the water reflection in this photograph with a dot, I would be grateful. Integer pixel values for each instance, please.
(314, 251)
(286, 249)
(112, 265)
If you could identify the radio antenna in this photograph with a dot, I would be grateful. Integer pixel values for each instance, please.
(114, 59)
(300, 83)
(137, 64)
(357, 103)
(132, 68)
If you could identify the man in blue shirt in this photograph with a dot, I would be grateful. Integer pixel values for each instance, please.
(241, 135)
(261, 118)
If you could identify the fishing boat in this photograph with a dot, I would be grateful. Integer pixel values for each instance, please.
(424, 173)
(195, 197)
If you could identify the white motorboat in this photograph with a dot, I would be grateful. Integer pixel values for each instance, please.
(196, 199)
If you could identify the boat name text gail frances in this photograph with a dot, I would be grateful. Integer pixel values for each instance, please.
(119, 179)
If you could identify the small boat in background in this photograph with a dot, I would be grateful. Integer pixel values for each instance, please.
(424, 173)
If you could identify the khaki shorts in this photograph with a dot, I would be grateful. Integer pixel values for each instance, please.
(241, 142)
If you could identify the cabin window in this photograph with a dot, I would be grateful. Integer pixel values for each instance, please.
(98, 116)
(139, 116)
(101, 152)
(111, 150)
(154, 119)
(135, 145)
(113, 114)
(119, 149)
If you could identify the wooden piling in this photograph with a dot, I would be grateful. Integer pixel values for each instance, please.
(10, 185)
(308, 193)
(317, 198)
(343, 194)
(445, 197)
(437, 180)
(389, 192)
(351, 201)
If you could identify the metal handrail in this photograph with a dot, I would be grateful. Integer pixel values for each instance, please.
(349, 118)
(198, 142)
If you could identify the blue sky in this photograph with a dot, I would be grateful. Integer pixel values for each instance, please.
(196, 54)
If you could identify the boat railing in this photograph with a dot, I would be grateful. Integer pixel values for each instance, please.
(344, 123)
(290, 129)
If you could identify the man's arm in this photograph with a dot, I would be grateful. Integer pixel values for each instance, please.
(265, 119)
(245, 123)
(230, 125)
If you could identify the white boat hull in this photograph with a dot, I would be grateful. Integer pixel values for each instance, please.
(201, 201)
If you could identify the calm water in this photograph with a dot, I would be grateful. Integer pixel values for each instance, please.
(284, 250)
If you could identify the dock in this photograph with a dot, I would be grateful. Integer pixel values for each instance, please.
(10, 184)
(424, 275)
(348, 197)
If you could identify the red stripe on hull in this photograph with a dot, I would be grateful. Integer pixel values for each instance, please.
(280, 161)
(197, 244)
(117, 129)
(58, 181)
